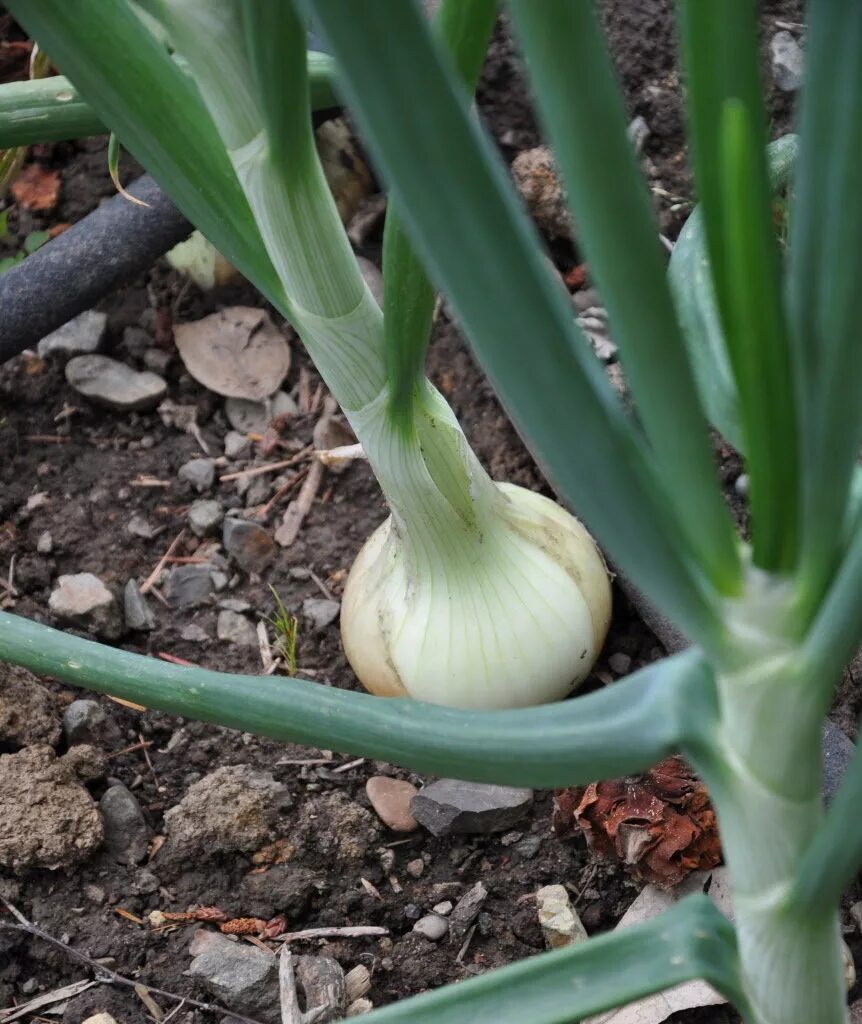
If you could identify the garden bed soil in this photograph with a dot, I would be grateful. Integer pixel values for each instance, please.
(91, 473)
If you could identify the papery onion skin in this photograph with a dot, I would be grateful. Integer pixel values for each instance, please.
(519, 622)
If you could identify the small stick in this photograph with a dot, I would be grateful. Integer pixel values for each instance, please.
(270, 467)
(299, 508)
(264, 510)
(290, 1011)
(174, 660)
(348, 766)
(163, 561)
(130, 750)
(327, 593)
(462, 952)
(351, 932)
(49, 438)
(186, 560)
(105, 974)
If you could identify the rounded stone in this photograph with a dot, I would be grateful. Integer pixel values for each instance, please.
(390, 799)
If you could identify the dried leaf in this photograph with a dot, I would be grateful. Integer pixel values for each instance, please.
(237, 352)
(278, 852)
(36, 188)
(244, 926)
(660, 825)
(274, 926)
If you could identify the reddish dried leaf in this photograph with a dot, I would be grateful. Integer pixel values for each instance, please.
(278, 852)
(660, 825)
(36, 188)
(576, 277)
(243, 926)
(58, 229)
(275, 926)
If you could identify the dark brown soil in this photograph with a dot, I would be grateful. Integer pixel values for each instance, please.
(91, 475)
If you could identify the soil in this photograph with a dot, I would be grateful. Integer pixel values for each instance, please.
(93, 467)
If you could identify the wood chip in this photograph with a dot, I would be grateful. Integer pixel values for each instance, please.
(57, 995)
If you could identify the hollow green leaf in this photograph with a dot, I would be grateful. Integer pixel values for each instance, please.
(823, 292)
(691, 284)
(727, 131)
(44, 110)
(479, 248)
(619, 729)
(464, 26)
(137, 90)
(50, 109)
(565, 50)
(691, 940)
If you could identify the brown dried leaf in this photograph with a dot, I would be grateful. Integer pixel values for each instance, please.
(275, 926)
(660, 825)
(243, 926)
(36, 188)
(278, 852)
(237, 352)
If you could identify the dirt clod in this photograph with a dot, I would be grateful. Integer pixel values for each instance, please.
(27, 711)
(47, 818)
(235, 809)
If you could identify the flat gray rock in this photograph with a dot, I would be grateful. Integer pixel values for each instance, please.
(243, 977)
(188, 586)
(205, 516)
(320, 611)
(787, 61)
(82, 599)
(86, 721)
(449, 807)
(236, 629)
(139, 615)
(248, 417)
(114, 385)
(81, 336)
(200, 473)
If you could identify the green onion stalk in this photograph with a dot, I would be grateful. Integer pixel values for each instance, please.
(471, 594)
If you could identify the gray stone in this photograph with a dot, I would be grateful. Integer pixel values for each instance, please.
(258, 491)
(466, 911)
(158, 360)
(114, 385)
(243, 977)
(432, 927)
(236, 629)
(235, 604)
(320, 611)
(188, 586)
(139, 615)
(138, 526)
(787, 61)
(127, 835)
(450, 806)
(194, 633)
(248, 417)
(45, 543)
(86, 721)
(83, 600)
(620, 663)
(236, 445)
(200, 473)
(250, 546)
(79, 337)
(322, 981)
(205, 516)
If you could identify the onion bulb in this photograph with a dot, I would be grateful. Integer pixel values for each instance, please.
(500, 601)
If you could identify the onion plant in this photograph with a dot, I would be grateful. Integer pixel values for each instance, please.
(772, 618)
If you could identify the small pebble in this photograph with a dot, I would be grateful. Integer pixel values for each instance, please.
(390, 799)
(139, 615)
(205, 516)
(433, 927)
(444, 909)
(81, 336)
(45, 543)
(320, 611)
(236, 445)
(620, 663)
(200, 473)
(560, 924)
(415, 868)
(787, 61)
(194, 634)
(250, 546)
(236, 629)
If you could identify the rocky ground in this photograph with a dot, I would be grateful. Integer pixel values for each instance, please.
(141, 507)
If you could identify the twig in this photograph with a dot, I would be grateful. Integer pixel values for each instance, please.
(174, 660)
(105, 974)
(350, 932)
(462, 952)
(264, 510)
(327, 593)
(48, 438)
(270, 467)
(130, 750)
(298, 509)
(348, 766)
(45, 999)
(290, 1011)
(163, 561)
